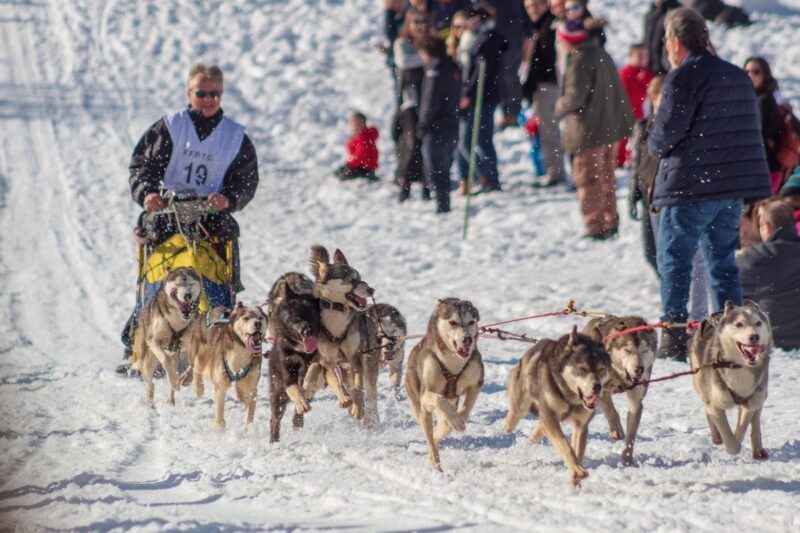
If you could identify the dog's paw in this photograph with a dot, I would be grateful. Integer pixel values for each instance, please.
(616, 435)
(356, 411)
(458, 422)
(627, 459)
(733, 448)
(186, 377)
(716, 440)
(761, 455)
(508, 427)
(218, 425)
(578, 475)
(302, 408)
(344, 404)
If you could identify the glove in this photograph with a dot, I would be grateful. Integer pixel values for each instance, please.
(634, 195)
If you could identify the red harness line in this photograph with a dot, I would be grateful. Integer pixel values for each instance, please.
(690, 325)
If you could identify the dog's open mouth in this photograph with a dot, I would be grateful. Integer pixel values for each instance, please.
(750, 352)
(254, 341)
(309, 344)
(463, 350)
(184, 307)
(590, 402)
(361, 303)
(387, 354)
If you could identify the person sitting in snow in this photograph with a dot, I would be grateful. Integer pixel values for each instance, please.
(362, 153)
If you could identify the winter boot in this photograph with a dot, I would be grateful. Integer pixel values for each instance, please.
(674, 344)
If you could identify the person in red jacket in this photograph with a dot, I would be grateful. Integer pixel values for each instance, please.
(362, 152)
(635, 78)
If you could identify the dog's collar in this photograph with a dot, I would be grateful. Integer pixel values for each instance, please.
(333, 338)
(241, 374)
(335, 306)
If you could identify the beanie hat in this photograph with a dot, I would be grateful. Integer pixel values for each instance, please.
(792, 185)
(572, 32)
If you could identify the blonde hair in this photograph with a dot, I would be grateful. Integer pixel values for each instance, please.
(208, 71)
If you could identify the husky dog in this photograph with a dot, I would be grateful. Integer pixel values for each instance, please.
(560, 380)
(731, 351)
(632, 356)
(342, 295)
(443, 367)
(226, 348)
(382, 345)
(162, 325)
(294, 325)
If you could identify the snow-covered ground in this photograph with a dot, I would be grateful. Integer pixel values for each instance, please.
(80, 80)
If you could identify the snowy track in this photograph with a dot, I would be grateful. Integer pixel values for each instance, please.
(80, 80)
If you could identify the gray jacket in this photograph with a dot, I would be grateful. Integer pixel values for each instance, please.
(594, 107)
(770, 275)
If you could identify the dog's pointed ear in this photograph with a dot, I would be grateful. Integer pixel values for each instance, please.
(339, 258)
(728, 306)
(167, 270)
(573, 336)
(322, 271)
(239, 305)
(596, 335)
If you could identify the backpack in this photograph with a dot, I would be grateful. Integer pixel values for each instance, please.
(788, 152)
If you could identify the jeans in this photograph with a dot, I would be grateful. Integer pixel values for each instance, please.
(486, 157)
(714, 224)
(438, 149)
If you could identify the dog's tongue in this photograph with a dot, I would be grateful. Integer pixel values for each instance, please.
(387, 354)
(309, 343)
(591, 401)
(751, 351)
(361, 302)
(463, 351)
(254, 343)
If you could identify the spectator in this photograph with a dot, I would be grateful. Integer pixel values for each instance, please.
(457, 27)
(410, 72)
(654, 35)
(438, 117)
(791, 193)
(635, 78)
(643, 177)
(362, 153)
(770, 271)
(541, 88)
(708, 107)
(595, 114)
(509, 15)
(772, 124)
(444, 12)
(488, 48)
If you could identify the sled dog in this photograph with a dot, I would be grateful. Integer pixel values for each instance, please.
(632, 356)
(226, 348)
(732, 350)
(294, 326)
(382, 345)
(444, 367)
(560, 380)
(162, 326)
(342, 295)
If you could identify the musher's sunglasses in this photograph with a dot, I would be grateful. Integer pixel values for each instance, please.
(208, 94)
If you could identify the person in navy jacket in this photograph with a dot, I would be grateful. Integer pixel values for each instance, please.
(707, 135)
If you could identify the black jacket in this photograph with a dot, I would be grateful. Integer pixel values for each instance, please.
(654, 35)
(771, 127)
(707, 134)
(152, 154)
(770, 275)
(489, 46)
(441, 86)
(542, 66)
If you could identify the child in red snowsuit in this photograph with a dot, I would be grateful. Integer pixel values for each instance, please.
(362, 152)
(635, 78)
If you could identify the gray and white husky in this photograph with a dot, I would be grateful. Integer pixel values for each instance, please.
(161, 326)
(632, 355)
(731, 351)
(382, 345)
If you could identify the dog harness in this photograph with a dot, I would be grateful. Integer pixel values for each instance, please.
(451, 386)
(241, 374)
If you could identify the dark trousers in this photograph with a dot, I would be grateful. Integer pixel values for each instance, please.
(438, 149)
(409, 154)
(486, 156)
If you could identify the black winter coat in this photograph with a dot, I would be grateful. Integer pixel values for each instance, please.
(441, 88)
(654, 33)
(707, 134)
(542, 66)
(154, 150)
(771, 127)
(489, 46)
(770, 275)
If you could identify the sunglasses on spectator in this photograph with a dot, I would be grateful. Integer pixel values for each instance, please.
(208, 94)
(458, 26)
(574, 8)
(754, 72)
(420, 22)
